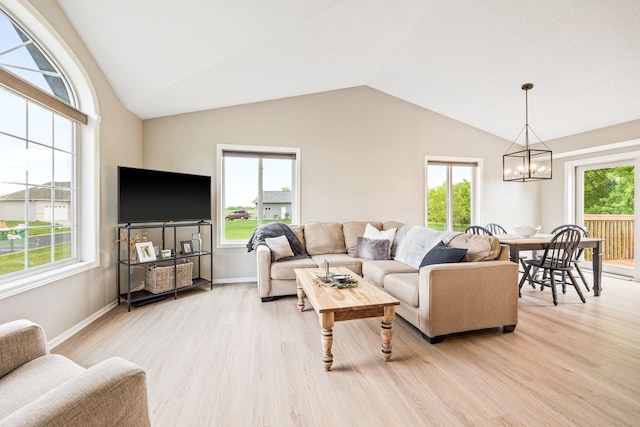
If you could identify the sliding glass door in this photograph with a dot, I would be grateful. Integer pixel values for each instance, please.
(606, 206)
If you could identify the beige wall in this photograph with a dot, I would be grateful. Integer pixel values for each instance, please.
(63, 305)
(362, 157)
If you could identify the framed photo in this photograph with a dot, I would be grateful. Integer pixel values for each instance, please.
(186, 247)
(145, 251)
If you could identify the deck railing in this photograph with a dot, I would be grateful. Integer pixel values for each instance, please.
(617, 230)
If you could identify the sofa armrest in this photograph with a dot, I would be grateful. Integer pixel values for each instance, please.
(113, 392)
(20, 342)
(467, 296)
(263, 259)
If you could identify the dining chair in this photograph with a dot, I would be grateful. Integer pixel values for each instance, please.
(557, 258)
(478, 229)
(578, 253)
(495, 228)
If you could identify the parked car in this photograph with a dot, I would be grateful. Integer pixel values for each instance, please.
(237, 215)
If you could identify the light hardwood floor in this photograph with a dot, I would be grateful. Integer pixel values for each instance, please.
(222, 357)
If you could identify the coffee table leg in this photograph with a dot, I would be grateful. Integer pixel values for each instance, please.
(300, 297)
(386, 332)
(326, 322)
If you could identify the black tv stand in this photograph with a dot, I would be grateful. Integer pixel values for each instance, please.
(165, 236)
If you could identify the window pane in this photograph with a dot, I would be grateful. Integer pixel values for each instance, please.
(40, 161)
(12, 205)
(62, 133)
(40, 124)
(60, 211)
(13, 118)
(63, 163)
(461, 202)
(13, 161)
(437, 197)
(277, 186)
(240, 193)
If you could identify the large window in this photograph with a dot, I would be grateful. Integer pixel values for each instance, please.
(451, 193)
(38, 158)
(255, 185)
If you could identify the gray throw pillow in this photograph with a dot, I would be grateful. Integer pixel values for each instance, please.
(442, 254)
(372, 248)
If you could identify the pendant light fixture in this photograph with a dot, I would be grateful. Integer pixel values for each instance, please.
(528, 164)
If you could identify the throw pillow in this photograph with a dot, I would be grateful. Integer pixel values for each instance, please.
(442, 254)
(370, 232)
(372, 248)
(279, 246)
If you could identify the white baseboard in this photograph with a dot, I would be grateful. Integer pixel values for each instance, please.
(235, 280)
(78, 327)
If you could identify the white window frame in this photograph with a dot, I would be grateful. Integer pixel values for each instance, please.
(87, 172)
(476, 184)
(295, 191)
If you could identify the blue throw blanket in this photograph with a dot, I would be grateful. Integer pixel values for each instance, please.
(276, 229)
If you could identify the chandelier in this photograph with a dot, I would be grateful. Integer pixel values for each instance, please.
(528, 164)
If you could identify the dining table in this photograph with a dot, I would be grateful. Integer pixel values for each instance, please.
(538, 242)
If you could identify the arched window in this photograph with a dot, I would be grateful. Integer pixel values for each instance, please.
(39, 171)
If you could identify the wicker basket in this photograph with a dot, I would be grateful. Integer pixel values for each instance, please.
(159, 279)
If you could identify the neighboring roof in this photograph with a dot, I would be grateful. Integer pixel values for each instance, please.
(274, 197)
(42, 193)
(465, 59)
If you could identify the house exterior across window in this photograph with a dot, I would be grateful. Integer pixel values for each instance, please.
(277, 204)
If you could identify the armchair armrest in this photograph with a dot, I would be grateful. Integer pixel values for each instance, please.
(20, 342)
(113, 392)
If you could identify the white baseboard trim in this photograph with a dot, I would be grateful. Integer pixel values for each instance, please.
(78, 327)
(235, 280)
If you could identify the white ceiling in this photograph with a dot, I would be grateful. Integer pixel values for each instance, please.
(465, 59)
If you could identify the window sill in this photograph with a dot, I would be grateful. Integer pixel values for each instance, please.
(11, 288)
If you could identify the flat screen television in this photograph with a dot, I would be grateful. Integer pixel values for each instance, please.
(146, 195)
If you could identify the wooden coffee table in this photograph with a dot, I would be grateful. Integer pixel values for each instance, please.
(335, 305)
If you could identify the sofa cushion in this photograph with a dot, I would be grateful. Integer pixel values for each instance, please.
(299, 232)
(442, 254)
(339, 260)
(34, 379)
(375, 271)
(279, 246)
(372, 248)
(354, 229)
(403, 286)
(284, 269)
(480, 247)
(413, 242)
(324, 238)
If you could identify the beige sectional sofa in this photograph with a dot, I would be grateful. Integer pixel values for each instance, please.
(439, 299)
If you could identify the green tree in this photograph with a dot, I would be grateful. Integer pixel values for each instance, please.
(437, 204)
(609, 191)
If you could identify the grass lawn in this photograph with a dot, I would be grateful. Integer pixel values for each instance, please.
(12, 262)
(241, 229)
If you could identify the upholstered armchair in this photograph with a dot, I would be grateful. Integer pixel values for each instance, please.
(38, 388)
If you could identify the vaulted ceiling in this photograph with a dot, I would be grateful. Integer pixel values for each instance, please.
(465, 59)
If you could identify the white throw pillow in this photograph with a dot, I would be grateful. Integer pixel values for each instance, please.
(279, 246)
(370, 232)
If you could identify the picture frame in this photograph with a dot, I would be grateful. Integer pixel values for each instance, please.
(145, 251)
(186, 247)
